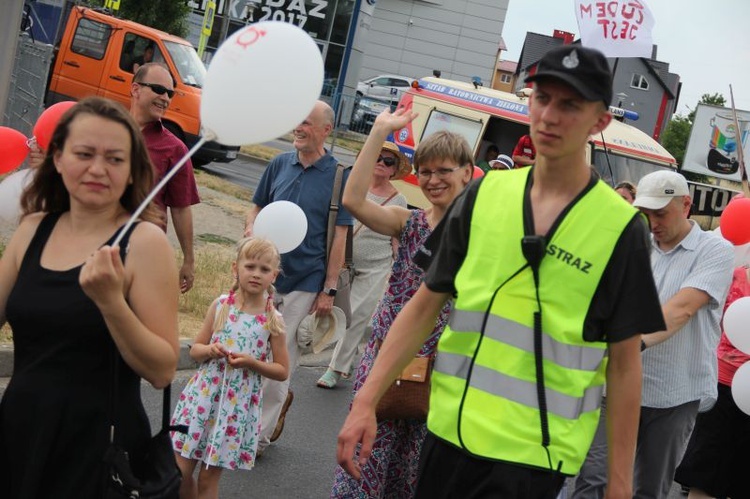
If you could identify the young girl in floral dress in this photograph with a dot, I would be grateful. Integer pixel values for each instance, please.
(221, 404)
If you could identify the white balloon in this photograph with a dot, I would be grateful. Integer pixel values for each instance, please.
(737, 324)
(741, 252)
(261, 83)
(283, 223)
(10, 194)
(741, 388)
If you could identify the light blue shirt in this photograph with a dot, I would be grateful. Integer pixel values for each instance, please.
(684, 368)
(286, 179)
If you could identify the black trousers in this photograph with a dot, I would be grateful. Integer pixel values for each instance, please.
(446, 472)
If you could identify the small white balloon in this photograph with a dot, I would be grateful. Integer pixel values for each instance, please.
(737, 324)
(283, 223)
(741, 252)
(741, 388)
(11, 189)
(261, 83)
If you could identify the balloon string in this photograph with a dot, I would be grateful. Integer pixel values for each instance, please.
(159, 187)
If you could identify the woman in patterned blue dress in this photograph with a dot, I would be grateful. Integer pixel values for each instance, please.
(221, 403)
(443, 167)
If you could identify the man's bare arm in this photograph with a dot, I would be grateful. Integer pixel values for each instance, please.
(677, 311)
(250, 220)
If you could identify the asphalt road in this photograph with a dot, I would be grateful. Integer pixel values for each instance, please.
(298, 465)
(246, 171)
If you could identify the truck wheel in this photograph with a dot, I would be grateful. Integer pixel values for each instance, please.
(175, 129)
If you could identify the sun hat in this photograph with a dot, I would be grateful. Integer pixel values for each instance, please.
(585, 69)
(657, 189)
(404, 165)
(502, 162)
(319, 332)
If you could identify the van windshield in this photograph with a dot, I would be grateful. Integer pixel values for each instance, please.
(621, 168)
(191, 69)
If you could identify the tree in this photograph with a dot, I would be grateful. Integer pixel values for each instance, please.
(166, 15)
(676, 135)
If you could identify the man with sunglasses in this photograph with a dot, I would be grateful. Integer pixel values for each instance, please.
(550, 272)
(150, 95)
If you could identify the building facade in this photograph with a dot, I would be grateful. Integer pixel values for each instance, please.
(364, 38)
(641, 85)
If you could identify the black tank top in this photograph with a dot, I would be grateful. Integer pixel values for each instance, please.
(54, 413)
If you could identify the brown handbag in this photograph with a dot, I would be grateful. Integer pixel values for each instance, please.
(409, 396)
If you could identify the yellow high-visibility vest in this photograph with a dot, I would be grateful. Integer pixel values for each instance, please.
(484, 387)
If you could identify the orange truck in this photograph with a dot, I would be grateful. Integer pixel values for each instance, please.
(98, 55)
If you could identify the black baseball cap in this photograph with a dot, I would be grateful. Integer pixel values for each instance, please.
(583, 68)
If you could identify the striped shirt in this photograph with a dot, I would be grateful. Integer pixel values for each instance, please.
(684, 368)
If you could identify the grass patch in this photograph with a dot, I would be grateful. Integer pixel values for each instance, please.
(260, 151)
(220, 185)
(213, 276)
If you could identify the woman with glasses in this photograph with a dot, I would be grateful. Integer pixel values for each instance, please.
(373, 255)
(443, 165)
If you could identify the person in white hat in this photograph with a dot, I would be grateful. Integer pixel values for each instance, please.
(502, 162)
(373, 255)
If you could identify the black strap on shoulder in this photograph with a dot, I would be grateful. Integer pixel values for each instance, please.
(115, 367)
(333, 210)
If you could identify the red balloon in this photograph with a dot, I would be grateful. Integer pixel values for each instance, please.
(477, 172)
(47, 122)
(735, 221)
(13, 149)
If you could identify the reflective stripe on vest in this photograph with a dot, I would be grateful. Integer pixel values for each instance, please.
(484, 391)
(522, 392)
(580, 357)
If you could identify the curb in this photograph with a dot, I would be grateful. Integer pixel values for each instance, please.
(184, 362)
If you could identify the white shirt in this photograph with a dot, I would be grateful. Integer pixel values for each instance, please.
(684, 368)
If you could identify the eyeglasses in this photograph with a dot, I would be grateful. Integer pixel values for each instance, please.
(158, 89)
(387, 161)
(439, 173)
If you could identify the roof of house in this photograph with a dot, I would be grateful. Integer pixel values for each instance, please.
(508, 66)
(534, 47)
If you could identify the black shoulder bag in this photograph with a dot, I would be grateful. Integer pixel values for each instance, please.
(150, 472)
(346, 275)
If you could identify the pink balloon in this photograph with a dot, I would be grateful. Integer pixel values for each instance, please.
(13, 149)
(735, 221)
(478, 173)
(47, 121)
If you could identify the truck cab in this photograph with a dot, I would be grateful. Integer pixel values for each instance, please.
(98, 55)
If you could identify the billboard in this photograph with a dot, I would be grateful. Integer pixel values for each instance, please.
(714, 141)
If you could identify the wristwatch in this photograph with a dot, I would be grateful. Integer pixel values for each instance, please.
(330, 291)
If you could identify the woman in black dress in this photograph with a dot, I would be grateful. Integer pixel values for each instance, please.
(71, 300)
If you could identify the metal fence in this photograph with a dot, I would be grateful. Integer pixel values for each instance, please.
(355, 115)
(28, 83)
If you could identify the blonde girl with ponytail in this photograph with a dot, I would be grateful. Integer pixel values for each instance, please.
(241, 341)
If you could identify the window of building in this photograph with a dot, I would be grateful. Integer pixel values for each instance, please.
(91, 38)
(639, 81)
(505, 78)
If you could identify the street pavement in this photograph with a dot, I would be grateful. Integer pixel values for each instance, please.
(301, 463)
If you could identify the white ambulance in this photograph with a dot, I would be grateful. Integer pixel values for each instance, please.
(485, 117)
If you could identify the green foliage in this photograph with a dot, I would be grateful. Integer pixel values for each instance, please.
(712, 99)
(676, 135)
(166, 15)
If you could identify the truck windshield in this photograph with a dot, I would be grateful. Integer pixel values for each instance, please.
(620, 168)
(191, 68)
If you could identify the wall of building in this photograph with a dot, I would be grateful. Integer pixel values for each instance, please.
(646, 103)
(414, 37)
